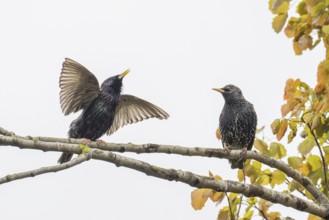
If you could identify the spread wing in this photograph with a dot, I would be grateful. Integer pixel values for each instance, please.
(79, 87)
(132, 109)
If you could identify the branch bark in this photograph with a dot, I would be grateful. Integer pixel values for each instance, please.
(102, 152)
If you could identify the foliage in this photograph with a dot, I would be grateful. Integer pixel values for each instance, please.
(304, 124)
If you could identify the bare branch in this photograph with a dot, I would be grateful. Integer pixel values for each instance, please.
(198, 181)
(319, 209)
(32, 173)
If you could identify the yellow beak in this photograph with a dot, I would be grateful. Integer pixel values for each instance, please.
(124, 74)
(218, 90)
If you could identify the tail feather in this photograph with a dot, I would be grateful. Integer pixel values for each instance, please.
(237, 164)
(65, 157)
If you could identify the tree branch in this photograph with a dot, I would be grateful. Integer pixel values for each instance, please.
(68, 145)
(198, 181)
(32, 173)
(319, 209)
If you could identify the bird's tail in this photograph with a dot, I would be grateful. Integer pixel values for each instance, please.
(237, 164)
(65, 157)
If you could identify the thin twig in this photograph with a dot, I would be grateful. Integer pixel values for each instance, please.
(244, 181)
(261, 212)
(32, 173)
(230, 206)
(321, 154)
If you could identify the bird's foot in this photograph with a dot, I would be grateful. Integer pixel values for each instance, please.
(244, 152)
(100, 142)
(86, 141)
(226, 148)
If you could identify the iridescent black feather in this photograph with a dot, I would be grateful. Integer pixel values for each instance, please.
(105, 109)
(237, 122)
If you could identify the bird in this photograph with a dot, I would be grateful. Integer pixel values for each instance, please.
(104, 108)
(237, 123)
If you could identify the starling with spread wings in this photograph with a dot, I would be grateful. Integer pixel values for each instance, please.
(105, 109)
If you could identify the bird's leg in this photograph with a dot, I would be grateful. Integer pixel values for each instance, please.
(226, 148)
(86, 141)
(100, 142)
(244, 152)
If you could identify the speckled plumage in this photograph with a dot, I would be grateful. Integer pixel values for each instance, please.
(105, 109)
(237, 122)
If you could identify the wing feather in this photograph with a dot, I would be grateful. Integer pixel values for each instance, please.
(79, 87)
(132, 109)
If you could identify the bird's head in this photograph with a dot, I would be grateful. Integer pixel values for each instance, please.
(231, 93)
(113, 84)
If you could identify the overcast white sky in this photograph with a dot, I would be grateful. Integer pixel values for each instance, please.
(177, 52)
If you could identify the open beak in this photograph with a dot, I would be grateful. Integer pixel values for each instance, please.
(124, 74)
(218, 90)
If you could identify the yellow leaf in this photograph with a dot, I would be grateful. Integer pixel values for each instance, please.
(248, 215)
(261, 146)
(318, 9)
(316, 122)
(314, 161)
(313, 217)
(224, 214)
(295, 162)
(263, 180)
(278, 177)
(240, 175)
(323, 76)
(278, 6)
(279, 21)
(298, 51)
(273, 215)
(301, 8)
(252, 200)
(277, 150)
(325, 29)
(275, 126)
(305, 42)
(282, 129)
(293, 185)
(304, 170)
(199, 197)
(218, 135)
(217, 197)
(306, 146)
(291, 136)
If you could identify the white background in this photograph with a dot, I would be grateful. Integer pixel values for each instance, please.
(177, 52)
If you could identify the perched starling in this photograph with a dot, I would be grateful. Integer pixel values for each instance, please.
(105, 110)
(237, 123)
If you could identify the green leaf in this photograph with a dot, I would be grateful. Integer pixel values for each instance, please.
(306, 146)
(295, 162)
(314, 161)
